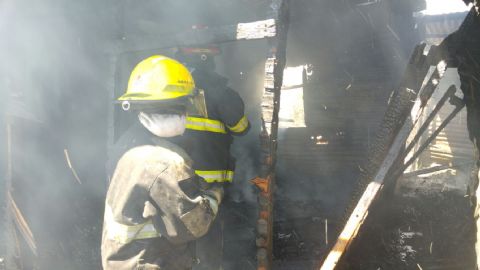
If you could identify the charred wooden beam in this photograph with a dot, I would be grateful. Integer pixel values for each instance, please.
(270, 106)
(242, 31)
(11, 251)
(22, 225)
(14, 219)
(436, 169)
(404, 110)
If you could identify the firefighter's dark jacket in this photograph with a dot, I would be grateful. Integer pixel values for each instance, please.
(211, 137)
(461, 49)
(153, 211)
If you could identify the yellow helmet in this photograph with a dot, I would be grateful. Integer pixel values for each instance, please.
(159, 81)
(159, 78)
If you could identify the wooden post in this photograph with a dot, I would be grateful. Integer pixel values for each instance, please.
(273, 81)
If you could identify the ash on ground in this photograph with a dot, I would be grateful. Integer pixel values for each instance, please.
(434, 231)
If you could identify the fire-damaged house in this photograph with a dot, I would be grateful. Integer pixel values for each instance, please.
(357, 146)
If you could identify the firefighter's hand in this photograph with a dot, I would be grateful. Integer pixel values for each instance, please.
(207, 200)
(216, 192)
(213, 204)
(214, 196)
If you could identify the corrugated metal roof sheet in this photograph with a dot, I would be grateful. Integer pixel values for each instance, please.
(438, 27)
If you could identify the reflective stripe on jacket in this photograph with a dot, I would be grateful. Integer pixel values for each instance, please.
(123, 233)
(210, 125)
(216, 176)
(241, 126)
(205, 124)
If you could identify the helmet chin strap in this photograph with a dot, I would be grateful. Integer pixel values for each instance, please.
(163, 125)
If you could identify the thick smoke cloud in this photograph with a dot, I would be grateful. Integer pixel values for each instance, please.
(53, 72)
(57, 80)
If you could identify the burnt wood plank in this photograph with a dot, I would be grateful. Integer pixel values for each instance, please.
(242, 31)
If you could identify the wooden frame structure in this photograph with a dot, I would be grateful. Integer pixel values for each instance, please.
(273, 81)
(390, 140)
(387, 173)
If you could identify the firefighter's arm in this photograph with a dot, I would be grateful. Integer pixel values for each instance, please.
(232, 112)
(183, 215)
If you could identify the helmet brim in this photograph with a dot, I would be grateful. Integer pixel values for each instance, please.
(191, 105)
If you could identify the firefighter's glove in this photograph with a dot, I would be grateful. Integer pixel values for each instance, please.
(213, 204)
(214, 195)
(216, 192)
(149, 210)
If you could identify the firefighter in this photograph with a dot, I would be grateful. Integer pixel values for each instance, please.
(462, 50)
(210, 138)
(156, 207)
(212, 135)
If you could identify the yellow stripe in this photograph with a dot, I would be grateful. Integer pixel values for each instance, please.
(216, 176)
(126, 233)
(240, 126)
(205, 124)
